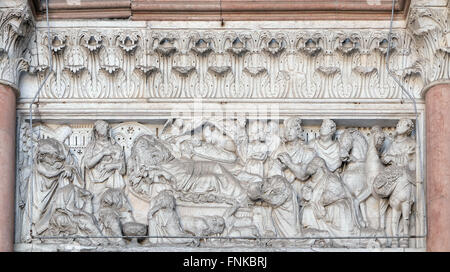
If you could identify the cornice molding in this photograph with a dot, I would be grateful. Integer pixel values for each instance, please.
(433, 84)
(215, 10)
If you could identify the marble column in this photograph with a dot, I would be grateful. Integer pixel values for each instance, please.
(7, 166)
(438, 166)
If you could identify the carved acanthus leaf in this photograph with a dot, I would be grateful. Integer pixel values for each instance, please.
(16, 25)
(430, 30)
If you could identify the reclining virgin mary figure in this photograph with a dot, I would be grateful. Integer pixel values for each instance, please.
(150, 161)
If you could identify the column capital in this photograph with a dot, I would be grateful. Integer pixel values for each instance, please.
(429, 86)
(16, 25)
(428, 26)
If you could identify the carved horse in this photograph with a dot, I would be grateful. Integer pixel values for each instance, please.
(395, 185)
(363, 165)
(374, 167)
(353, 150)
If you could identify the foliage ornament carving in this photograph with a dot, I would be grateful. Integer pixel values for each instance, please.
(16, 25)
(429, 28)
(235, 64)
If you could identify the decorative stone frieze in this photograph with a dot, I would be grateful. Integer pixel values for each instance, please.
(227, 63)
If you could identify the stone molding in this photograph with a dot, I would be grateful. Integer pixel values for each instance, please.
(215, 10)
(16, 25)
(432, 84)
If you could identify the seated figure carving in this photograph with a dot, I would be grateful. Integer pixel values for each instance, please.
(71, 215)
(54, 167)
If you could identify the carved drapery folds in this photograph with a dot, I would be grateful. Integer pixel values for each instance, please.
(221, 178)
(145, 64)
(16, 25)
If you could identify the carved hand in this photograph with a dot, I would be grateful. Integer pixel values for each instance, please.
(259, 155)
(285, 158)
(112, 166)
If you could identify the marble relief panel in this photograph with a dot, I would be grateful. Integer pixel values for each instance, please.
(219, 183)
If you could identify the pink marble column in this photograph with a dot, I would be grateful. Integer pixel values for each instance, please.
(438, 166)
(7, 166)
